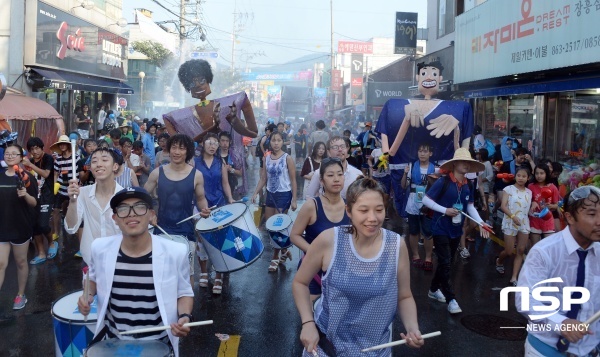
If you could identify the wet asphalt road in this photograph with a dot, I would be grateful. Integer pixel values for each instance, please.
(258, 306)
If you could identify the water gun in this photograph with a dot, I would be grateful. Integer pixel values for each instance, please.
(22, 177)
(384, 160)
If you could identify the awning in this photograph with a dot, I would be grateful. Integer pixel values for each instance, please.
(18, 106)
(74, 81)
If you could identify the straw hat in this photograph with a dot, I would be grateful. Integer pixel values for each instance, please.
(463, 154)
(125, 125)
(62, 140)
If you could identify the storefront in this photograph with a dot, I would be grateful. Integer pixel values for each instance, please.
(71, 62)
(530, 69)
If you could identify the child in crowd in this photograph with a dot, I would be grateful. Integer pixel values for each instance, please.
(539, 225)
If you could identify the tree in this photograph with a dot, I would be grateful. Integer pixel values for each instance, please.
(157, 54)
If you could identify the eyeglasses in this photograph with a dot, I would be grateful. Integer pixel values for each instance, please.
(11, 155)
(211, 143)
(139, 209)
(338, 147)
(327, 160)
(583, 192)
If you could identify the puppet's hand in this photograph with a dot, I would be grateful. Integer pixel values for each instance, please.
(442, 125)
(413, 113)
(217, 113)
(232, 114)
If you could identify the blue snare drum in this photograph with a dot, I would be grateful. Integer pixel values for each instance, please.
(117, 348)
(230, 237)
(71, 333)
(280, 227)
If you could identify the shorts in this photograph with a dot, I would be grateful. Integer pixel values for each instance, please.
(385, 182)
(279, 200)
(41, 224)
(61, 202)
(419, 224)
(19, 241)
(539, 231)
(514, 232)
(191, 247)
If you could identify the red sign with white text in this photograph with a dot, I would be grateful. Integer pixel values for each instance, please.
(336, 81)
(355, 47)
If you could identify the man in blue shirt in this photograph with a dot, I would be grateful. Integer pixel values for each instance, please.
(148, 142)
(448, 197)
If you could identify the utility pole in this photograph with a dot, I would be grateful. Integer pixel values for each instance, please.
(331, 94)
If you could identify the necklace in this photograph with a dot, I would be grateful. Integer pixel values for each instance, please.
(204, 103)
(328, 200)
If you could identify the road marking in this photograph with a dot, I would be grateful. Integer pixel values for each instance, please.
(229, 348)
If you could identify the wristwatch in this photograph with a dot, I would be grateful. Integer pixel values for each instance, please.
(189, 316)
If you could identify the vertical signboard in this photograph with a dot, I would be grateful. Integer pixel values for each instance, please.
(319, 101)
(274, 100)
(406, 33)
(356, 76)
(336, 80)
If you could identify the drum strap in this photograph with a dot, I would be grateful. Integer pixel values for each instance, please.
(279, 210)
(100, 336)
(325, 344)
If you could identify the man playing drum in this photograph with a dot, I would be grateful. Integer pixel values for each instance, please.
(141, 280)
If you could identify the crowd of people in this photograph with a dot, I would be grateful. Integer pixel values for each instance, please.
(137, 175)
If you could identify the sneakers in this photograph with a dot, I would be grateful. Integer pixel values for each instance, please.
(20, 302)
(464, 252)
(437, 296)
(453, 307)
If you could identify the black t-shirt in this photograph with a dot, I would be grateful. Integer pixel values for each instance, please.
(82, 165)
(16, 216)
(45, 185)
(83, 126)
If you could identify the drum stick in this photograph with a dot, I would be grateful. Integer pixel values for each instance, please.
(192, 216)
(399, 342)
(162, 328)
(73, 162)
(86, 289)
(479, 224)
(163, 231)
(564, 343)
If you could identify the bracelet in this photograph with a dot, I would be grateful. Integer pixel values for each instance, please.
(511, 216)
(189, 316)
(305, 322)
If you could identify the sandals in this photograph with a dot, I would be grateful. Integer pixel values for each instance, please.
(37, 260)
(52, 250)
(274, 265)
(218, 289)
(427, 265)
(203, 281)
(285, 256)
(417, 263)
(499, 267)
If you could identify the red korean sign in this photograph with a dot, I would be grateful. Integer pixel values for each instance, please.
(336, 81)
(355, 47)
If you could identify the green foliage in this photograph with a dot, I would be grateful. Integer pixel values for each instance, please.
(157, 54)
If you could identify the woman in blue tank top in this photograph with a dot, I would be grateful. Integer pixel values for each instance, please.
(367, 281)
(321, 213)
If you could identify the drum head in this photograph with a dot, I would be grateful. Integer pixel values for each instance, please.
(221, 217)
(116, 347)
(65, 309)
(278, 222)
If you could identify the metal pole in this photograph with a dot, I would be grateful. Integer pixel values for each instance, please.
(233, 37)
(142, 97)
(331, 94)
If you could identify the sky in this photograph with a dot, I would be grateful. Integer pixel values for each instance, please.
(272, 32)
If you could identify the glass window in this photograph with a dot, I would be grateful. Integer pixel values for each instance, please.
(494, 115)
(446, 14)
(578, 117)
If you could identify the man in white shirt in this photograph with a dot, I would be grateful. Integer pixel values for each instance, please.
(91, 203)
(573, 256)
(337, 148)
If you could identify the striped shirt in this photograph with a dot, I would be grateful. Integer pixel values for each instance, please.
(132, 304)
(64, 167)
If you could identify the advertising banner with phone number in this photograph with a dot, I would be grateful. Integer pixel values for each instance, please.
(507, 37)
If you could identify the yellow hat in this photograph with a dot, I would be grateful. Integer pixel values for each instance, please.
(63, 139)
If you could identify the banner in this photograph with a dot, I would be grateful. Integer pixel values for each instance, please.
(380, 92)
(356, 76)
(355, 47)
(336, 82)
(503, 38)
(406, 33)
(274, 101)
(319, 102)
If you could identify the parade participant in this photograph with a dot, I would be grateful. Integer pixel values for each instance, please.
(321, 213)
(300, 143)
(265, 143)
(487, 178)
(90, 204)
(336, 148)
(101, 116)
(147, 146)
(162, 155)
(130, 159)
(42, 167)
(319, 135)
(139, 278)
(279, 176)
(176, 186)
(286, 140)
(312, 164)
(367, 267)
(83, 165)
(63, 172)
(447, 197)
(540, 200)
(233, 165)
(125, 176)
(145, 163)
(516, 203)
(419, 225)
(565, 255)
(418, 120)
(217, 192)
(17, 217)
(83, 121)
(126, 131)
(114, 137)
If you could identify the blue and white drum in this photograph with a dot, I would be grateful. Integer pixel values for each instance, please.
(116, 347)
(230, 237)
(71, 333)
(280, 227)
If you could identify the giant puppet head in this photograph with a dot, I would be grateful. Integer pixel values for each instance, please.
(196, 76)
(429, 77)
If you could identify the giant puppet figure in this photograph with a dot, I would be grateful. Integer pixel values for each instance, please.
(404, 124)
(198, 120)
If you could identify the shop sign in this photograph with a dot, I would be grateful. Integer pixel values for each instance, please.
(356, 75)
(507, 37)
(405, 41)
(66, 42)
(336, 81)
(380, 92)
(122, 103)
(355, 47)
